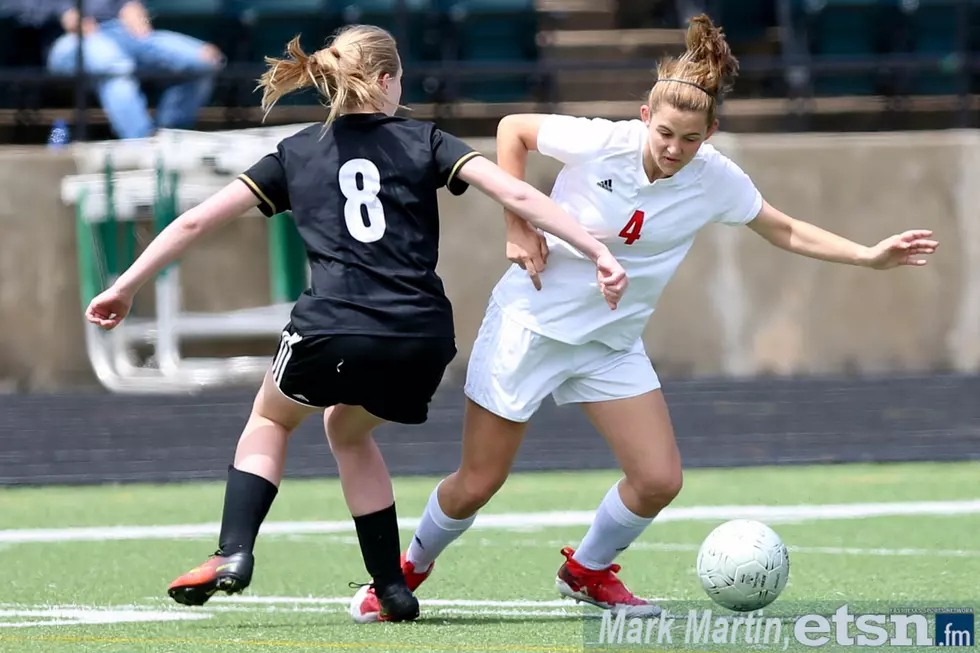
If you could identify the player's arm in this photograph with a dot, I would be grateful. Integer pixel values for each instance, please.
(516, 136)
(809, 240)
(568, 139)
(263, 186)
(530, 204)
(458, 166)
(110, 307)
(538, 209)
(228, 203)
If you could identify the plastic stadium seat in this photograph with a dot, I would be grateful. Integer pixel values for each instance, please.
(8, 30)
(185, 8)
(845, 29)
(745, 21)
(932, 32)
(419, 37)
(495, 32)
(384, 13)
(273, 23)
(203, 19)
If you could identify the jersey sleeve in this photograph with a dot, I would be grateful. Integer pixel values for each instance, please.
(740, 201)
(573, 140)
(267, 181)
(449, 154)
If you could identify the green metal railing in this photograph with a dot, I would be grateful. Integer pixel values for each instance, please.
(107, 245)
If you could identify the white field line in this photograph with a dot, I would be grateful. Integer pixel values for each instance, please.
(81, 615)
(345, 600)
(671, 547)
(87, 616)
(458, 607)
(529, 521)
(680, 547)
(819, 550)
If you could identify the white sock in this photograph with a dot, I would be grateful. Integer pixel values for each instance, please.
(614, 528)
(435, 532)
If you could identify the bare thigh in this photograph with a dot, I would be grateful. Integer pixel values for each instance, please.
(490, 444)
(273, 405)
(641, 436)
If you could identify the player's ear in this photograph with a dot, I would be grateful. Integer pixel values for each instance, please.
(712, 129)
(383, 80)
(645, 114)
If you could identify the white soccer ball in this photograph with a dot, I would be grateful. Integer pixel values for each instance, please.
(743, 565)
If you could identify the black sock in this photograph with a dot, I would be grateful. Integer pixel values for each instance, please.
(380, 547)
(247, 501)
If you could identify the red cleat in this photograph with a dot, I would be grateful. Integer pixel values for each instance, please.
(600, 588)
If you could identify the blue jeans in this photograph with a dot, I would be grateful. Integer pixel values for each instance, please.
(115, 52)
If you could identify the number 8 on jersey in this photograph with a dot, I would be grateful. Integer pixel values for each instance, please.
(363, 195)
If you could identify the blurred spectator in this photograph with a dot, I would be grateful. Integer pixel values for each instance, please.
(119, 40)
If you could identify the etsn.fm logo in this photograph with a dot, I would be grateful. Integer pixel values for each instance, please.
(954, 629)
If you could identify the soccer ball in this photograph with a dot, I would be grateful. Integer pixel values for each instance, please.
(743, 565)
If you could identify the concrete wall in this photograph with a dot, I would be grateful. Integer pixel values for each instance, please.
(736, 307)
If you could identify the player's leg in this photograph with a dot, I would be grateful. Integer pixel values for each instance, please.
(370, 498)
(639, 431)
(490, 445)
(510, 372)
(252, 486)
(503, 392)
(389, 379)
(363, 473)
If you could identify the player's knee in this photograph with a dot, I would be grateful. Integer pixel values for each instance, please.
(474, 490)
(348, 439)
(341, 444)
(657, 488)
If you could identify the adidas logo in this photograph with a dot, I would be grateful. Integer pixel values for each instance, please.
(605, 184)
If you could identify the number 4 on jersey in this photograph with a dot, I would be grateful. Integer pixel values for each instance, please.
(631, 232)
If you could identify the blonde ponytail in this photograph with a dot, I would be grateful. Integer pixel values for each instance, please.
(346, 74)
(285, 76)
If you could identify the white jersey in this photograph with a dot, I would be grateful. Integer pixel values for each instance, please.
(648, 227)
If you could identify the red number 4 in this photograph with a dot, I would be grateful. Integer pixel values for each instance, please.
(631, 232)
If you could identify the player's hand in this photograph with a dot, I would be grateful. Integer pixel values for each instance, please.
(612, 279)
(908, 248)
(109, 309)
(528, 249)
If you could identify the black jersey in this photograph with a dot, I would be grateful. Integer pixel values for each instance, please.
(363, 197)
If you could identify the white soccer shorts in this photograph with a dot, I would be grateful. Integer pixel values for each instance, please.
(512, 369)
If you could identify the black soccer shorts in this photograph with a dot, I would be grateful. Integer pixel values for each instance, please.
(392, 377)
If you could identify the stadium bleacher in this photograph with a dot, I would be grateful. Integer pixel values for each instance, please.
(841, 64)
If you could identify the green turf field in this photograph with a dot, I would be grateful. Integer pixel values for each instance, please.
(72, 584)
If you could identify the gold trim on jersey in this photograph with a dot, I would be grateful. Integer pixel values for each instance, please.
(258, 191)
(459, 163)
